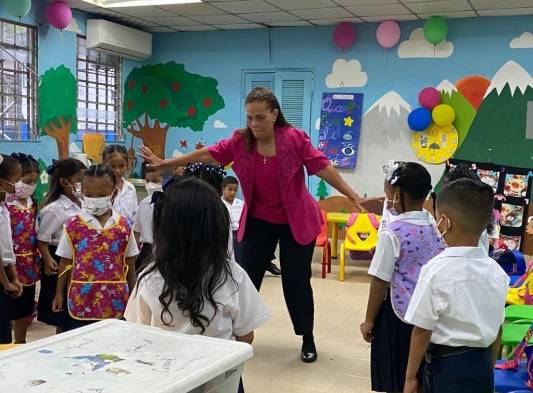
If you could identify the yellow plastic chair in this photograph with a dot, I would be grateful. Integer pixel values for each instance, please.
(361, 235)
(93, 145)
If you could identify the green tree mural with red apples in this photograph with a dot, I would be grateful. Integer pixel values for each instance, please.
(160, 96)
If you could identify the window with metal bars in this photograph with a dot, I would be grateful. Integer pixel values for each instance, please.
(18, 82)
(99, 92)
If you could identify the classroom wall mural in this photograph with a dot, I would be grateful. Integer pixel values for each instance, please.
(524, 41)
(417, 46)
(57, 99)
(160, 96)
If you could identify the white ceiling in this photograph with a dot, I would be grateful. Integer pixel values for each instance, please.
(252, 14)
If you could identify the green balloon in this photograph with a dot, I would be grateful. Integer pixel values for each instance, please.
(435, 29)
(18, 8)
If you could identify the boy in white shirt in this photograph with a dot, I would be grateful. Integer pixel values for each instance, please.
(458, 304)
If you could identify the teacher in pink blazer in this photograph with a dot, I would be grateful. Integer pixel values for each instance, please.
(269, 157)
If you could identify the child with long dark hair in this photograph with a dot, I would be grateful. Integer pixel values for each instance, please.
(10, 171)
(23, 213)
(407, 242)
(193, 286)
(62, 202)
(98, 252)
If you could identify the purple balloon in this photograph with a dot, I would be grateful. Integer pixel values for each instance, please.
(59, 14)
(429, 98)
(388, 34)
(344, 35)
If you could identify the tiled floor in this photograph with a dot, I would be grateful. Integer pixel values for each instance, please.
(343, 365)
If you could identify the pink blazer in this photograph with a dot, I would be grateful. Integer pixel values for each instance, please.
(294, 151)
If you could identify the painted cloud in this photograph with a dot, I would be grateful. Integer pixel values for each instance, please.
(346, 74)
(219, 124)
(524, 41)
(418, 47)
(73, 27)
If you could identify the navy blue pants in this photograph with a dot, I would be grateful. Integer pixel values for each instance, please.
(465, 371)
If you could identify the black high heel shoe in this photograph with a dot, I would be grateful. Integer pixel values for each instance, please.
(309, 353)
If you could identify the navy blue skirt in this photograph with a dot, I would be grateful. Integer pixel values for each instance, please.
(5, 321)
(22, 306)
(389, 350)
(46, 296)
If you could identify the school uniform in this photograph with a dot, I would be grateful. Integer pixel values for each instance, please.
(235, 211)
(7, 257)
(125, 202)
(407, 242)
(144, 222)
(28, 262)
(460, 296)
(52, 218)
(98, 288)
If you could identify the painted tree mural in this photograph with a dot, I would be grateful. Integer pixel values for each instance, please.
(160, 96)
(322, 190)
(57, 107)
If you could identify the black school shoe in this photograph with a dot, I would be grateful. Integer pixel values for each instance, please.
(273, 269)
(309, 353)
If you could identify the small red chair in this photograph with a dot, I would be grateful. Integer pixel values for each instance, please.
(323, 241)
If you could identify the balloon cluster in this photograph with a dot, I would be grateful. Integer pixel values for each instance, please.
(430, 109)
(58, 13)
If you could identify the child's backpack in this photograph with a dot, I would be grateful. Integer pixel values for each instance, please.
(522, 290)
(512, 262)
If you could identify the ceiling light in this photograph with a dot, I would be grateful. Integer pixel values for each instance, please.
(137, 3)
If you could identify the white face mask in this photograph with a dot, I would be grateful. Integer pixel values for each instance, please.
(153, 187)
(97, 206)
(390, 205)
(23, 190)
(442, 234)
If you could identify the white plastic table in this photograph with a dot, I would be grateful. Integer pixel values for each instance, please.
(116, 356)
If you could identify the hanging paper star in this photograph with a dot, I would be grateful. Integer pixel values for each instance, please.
(348, 121)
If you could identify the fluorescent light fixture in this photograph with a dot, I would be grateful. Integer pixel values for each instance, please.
(137, 3)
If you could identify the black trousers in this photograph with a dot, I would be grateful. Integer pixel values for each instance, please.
(256, 250)
(470, 370)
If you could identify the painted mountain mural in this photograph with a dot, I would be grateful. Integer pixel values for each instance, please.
(385, 135)
(498, 133)
(464, 110)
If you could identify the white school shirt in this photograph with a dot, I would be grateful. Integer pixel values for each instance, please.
(64, 249)
(235, 212)
(7, 255)
(388, 247)
(125, 202)
(240, 308)
(144, 220)
(52, 218)
(460, 296)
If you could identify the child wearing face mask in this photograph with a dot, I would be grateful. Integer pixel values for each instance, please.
(116, 158)
(61, 203)
(144, 219)
(408, 241)
(10, 286)
(98, 252)
(458, 306)
(23, 213)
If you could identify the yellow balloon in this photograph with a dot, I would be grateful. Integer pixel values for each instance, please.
(443, 115)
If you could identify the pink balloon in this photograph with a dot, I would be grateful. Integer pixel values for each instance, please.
(59, 15)
(388, 34)
(344, 35)
(429, 98)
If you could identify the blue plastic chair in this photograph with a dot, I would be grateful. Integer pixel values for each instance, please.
(506, 381)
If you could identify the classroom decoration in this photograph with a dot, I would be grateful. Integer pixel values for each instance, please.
(59, 14)
(473, 88)
(18, 8)
(435, 145)
(340, 126)
(346, 73)
(435, 30)
(344, 35)
(42, 183)
(417, 46)
(443, 115)
(58, 99)
(388, 34)
(498, 132)
(160, 96)
(419, 119)
(322, 190)
(513, 188)
(429, 97)
(523, 41)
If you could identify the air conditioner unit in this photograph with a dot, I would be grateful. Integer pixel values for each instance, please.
(118, 40)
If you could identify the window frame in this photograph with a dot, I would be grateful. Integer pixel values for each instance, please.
(118, 136)
(32, 105)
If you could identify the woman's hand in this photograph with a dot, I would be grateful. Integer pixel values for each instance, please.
(153, 160)
(356, 200)
(367, 331)
(411, 386)
(50, 267)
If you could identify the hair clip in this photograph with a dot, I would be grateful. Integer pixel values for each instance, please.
(389, 168)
